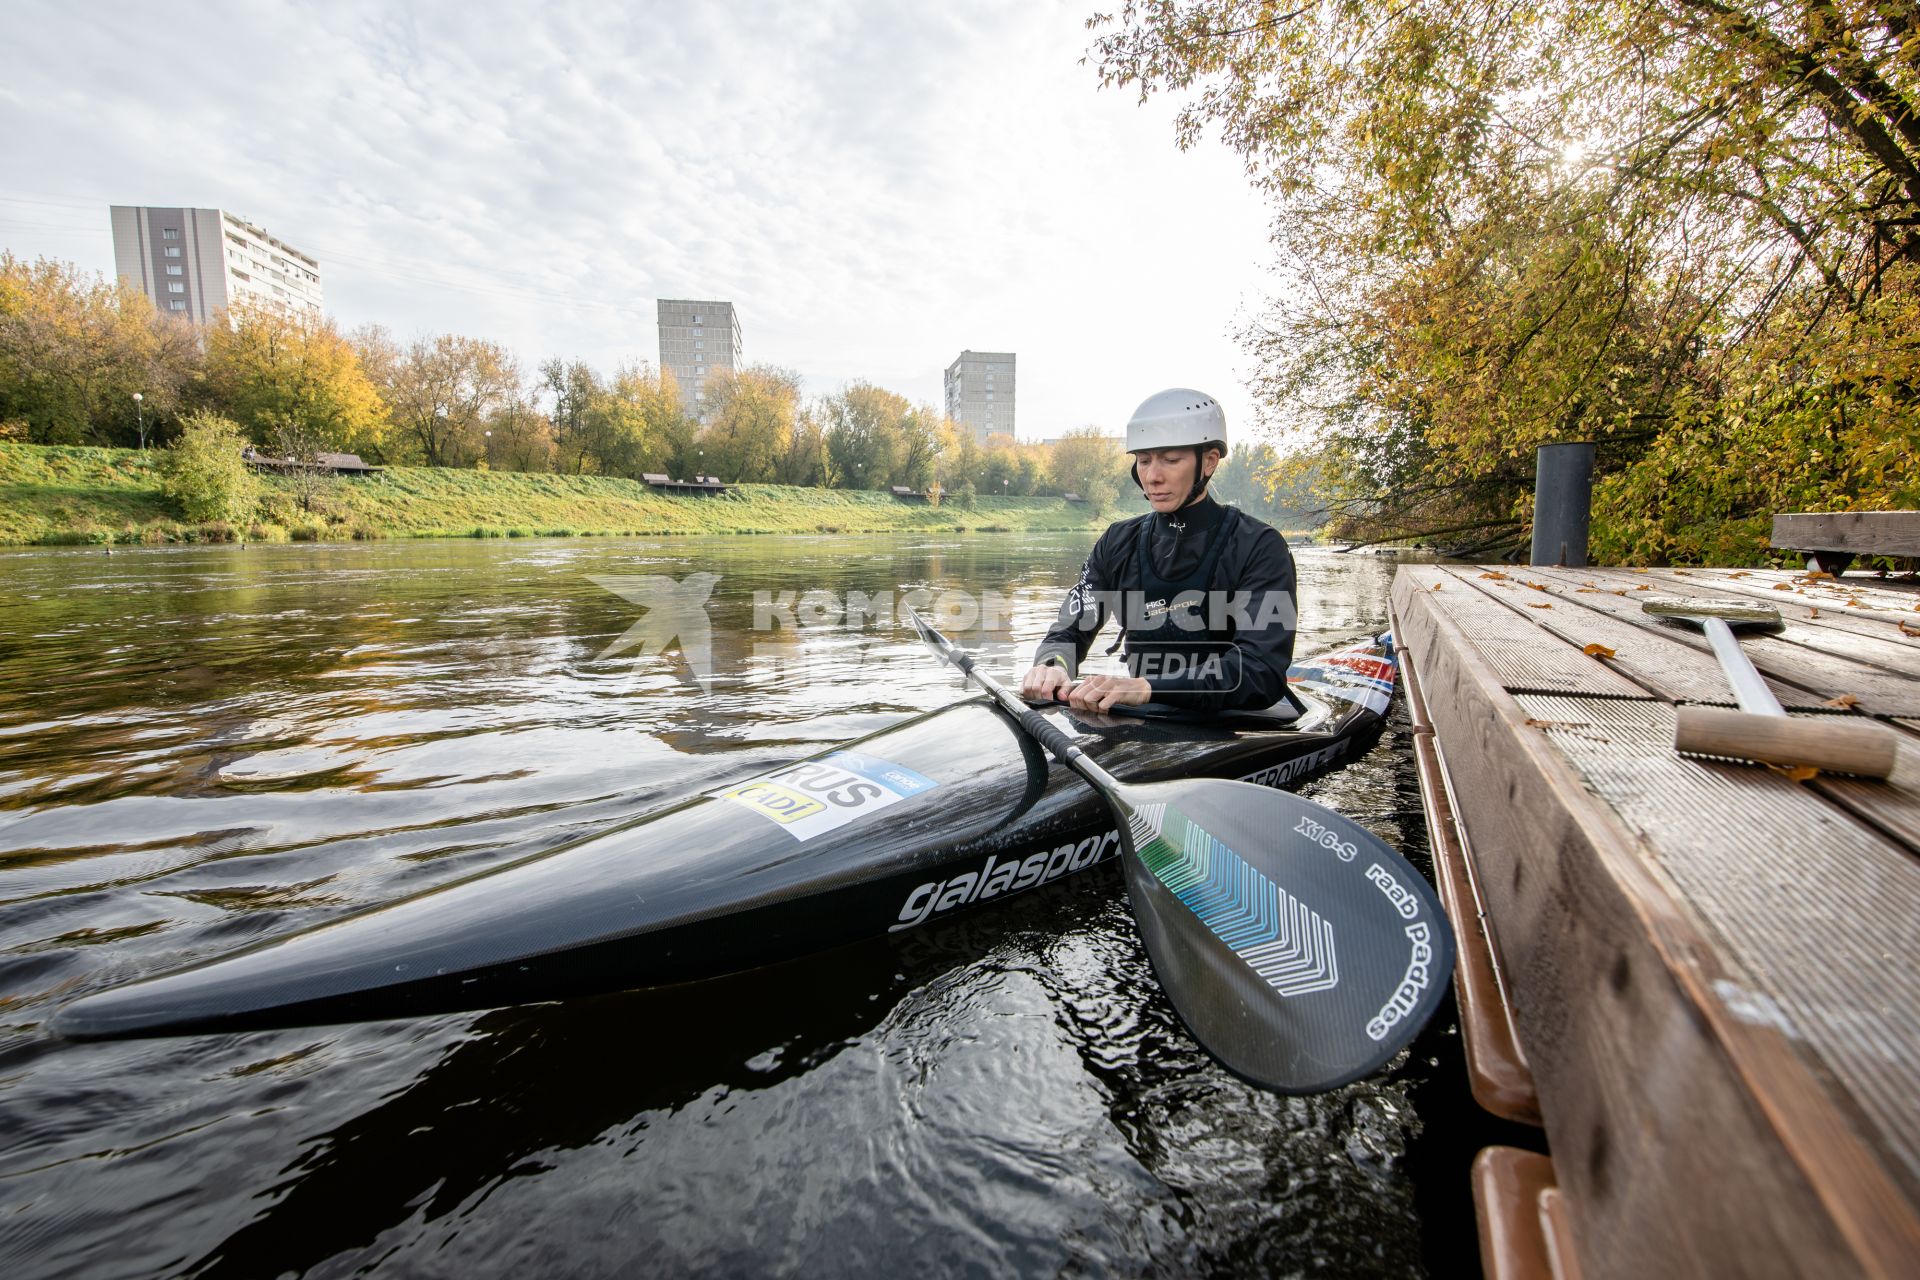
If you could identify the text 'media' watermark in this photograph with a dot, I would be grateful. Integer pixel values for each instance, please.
(677, 616)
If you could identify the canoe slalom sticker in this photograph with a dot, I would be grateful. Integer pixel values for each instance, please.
(1362, 675)
(817, 796)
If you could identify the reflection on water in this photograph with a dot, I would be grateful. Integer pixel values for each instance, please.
(200, 747)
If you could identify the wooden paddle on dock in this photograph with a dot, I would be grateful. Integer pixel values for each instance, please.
(1762, 730)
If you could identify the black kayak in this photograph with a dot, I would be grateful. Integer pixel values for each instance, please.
(943, 812)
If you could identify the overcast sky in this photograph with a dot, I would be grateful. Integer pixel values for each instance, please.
(874, 185)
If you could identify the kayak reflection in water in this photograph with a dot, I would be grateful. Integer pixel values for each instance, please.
(1203, 594)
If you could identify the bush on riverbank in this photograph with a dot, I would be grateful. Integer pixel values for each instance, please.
(204, 473)
(66, 495)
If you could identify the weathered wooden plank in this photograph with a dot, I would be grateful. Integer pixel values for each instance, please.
(1665, 665)
(1689, 1140)
(1878, 642)
(1820, 914)
(1863, 533)
(1779, 658)
(1790, 595)
(1893, 805)
(1888, 601)
(1515, 648)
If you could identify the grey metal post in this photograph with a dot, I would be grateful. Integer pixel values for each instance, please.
(1562, 503)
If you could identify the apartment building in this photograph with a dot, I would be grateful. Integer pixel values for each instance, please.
(199, 262)
(980, 393)
(697, 339)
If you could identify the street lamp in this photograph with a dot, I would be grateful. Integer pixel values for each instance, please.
(140, 414)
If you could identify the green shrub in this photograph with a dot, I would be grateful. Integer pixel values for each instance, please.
(204, 472)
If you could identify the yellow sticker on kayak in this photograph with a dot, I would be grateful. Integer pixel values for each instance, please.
(782, 804)
(817, 796)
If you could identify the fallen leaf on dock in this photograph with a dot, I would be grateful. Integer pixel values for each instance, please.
(1538, 586)
(1783, 586)
(1795, 772)
(1539, 604)
(1844, 700)
(1597, 651)
(1645, 586)
(1742, 574)
(1815, 575)
(1495, 574)
(1813, 612)
(1438, 585)
(1906, 630)
(1592, 591)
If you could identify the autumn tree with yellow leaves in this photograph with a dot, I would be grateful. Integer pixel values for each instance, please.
(284, 374)
(74, 352)
(1688, 230)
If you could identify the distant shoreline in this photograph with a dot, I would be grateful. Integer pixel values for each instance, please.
(70, 495)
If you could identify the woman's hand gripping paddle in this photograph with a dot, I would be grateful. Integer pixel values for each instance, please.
(1299, 950)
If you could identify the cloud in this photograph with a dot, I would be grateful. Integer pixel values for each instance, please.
(874, 185)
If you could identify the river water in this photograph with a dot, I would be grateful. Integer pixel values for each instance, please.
(201, 747)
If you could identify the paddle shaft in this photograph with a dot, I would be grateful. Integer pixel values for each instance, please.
(1044, 731)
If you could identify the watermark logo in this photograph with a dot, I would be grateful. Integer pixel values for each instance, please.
(676, 617)
(798, 636)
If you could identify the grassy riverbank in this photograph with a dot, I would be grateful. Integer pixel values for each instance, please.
(80, 495)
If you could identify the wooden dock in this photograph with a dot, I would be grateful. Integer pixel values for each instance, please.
(1703, 976)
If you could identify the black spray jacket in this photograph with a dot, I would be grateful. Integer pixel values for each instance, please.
(1234, 638)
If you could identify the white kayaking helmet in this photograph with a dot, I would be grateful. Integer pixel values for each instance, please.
(1178, 417)
(1175, 417)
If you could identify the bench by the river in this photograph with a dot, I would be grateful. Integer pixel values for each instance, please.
(340, 464)
(1832, 539)
(699, 484)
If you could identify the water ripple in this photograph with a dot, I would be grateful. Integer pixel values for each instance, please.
(200, 748)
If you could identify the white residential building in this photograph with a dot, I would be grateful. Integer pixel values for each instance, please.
(199, 262)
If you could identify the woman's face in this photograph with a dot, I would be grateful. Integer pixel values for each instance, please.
(1167, 475)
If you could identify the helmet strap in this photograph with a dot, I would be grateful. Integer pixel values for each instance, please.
(1200, 476)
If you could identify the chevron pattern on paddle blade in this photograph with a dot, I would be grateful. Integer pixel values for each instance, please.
(1283, 940)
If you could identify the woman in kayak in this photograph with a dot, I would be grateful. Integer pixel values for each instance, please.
(1203, 593)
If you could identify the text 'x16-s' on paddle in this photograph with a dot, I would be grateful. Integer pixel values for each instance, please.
(1299, 950)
